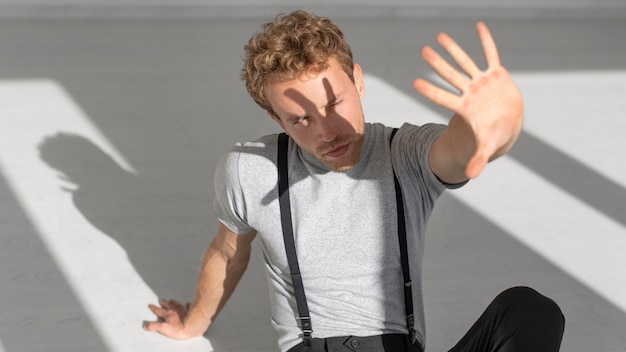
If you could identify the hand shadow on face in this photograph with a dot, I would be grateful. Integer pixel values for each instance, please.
(305, 102)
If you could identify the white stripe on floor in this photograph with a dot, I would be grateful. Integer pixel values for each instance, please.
(582, 114)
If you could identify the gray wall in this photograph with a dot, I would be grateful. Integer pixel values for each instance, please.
(348, 8)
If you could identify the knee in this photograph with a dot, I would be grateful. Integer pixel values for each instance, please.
(532, 307)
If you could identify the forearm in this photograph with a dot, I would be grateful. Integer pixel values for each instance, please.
(222, 268)
(451, 152)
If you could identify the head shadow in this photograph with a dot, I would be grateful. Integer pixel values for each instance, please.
(160, 229)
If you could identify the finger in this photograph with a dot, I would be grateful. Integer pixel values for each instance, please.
(489, 45)
(176, 305)
(165, 304)
(459, 55)
(158, 311)
(437, 95)
(152, 325)
(443, 68)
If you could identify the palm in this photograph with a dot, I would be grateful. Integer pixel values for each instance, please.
(489, 100)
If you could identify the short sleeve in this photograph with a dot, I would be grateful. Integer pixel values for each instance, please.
(229, 205)
(417, 143)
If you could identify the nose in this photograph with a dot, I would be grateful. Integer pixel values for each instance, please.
(326, 128)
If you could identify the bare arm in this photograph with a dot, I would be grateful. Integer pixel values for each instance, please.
(488, 112)
(224, 263)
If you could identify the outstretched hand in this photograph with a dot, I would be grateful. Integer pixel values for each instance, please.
(489, 101)
(170, 319)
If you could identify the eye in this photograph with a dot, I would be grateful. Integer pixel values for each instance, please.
(334, 104)
(304, 120)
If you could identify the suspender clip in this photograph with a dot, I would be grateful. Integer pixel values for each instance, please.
(410, 322)
(307, 330)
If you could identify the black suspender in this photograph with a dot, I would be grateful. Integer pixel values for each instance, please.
(285, 217)
(404, 256)
(290, 246)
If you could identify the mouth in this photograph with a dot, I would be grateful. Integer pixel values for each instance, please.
(338, 152)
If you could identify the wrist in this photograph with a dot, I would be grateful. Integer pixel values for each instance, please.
(194, 327)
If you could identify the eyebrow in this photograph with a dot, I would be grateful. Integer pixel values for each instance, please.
(330, 102)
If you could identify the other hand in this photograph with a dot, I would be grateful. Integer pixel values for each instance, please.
(171, 315)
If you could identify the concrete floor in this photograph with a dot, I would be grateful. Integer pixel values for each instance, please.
(110, 130)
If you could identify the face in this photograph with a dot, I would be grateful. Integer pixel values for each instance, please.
(323, 114)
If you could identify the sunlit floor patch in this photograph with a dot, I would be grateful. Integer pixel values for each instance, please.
(585, 119)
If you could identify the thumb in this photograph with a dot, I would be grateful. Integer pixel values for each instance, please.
(152, 325)
(476, 165)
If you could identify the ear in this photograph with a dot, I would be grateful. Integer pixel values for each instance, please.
(276, 119)
(358, 80)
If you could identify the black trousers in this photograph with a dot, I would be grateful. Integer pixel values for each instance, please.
(518, 320)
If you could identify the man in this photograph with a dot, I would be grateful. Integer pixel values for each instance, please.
(348, 251)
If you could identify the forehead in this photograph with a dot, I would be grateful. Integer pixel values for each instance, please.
(310, 90)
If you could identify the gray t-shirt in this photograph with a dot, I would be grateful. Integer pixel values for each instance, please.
(345, 227)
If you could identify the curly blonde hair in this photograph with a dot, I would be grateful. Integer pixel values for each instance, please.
(292, 45)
